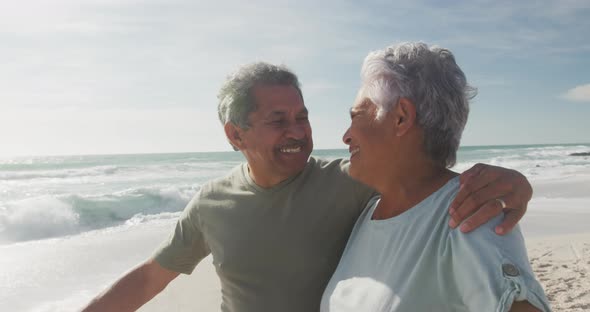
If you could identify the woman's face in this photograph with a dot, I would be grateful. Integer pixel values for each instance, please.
(370, 142)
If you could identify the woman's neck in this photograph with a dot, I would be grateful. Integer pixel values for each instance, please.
(408, 185)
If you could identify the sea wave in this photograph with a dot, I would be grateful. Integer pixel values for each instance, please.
(53, 216)
(538, 162)
(212, 169)
(59, 173)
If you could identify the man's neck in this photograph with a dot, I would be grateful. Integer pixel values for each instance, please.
(266, 181)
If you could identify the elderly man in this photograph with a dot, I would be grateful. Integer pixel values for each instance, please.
(276, 226)
(404, 134)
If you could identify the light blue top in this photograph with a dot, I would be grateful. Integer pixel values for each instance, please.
(416, 262)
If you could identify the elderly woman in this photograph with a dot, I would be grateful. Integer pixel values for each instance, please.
(401, 256)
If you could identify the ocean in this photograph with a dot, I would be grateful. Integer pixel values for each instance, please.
(69, 225)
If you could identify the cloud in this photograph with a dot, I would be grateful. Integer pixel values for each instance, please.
(578, 94)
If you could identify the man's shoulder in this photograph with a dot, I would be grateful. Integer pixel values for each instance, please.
(233, 177)
(218, 192)
(223, 185)
(331, 176)
(327, 165)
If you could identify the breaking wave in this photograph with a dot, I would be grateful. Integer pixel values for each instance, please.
(53, 216)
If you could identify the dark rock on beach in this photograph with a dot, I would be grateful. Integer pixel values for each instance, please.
(580, 154)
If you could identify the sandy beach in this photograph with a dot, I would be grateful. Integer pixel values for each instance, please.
(199, 291)
(561, 263)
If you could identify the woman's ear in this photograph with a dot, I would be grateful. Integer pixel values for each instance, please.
(405, 116)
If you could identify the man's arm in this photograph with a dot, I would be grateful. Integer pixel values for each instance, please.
(483, 191)
(134, 289)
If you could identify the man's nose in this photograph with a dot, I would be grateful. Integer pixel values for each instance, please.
(296, 131)
(346, 137)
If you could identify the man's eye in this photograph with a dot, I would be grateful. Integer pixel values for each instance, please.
(278, 122)
(302, 118)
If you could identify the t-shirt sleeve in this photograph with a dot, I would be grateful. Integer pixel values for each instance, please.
(490, 272)
(186, 246)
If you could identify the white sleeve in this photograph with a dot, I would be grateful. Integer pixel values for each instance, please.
(490, 271)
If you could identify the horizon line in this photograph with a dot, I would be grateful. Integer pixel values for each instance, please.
(230, 151)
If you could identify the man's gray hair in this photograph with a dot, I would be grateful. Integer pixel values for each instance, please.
(430, 78)
(236, 98)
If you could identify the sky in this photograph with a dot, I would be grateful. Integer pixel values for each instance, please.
(141, 76)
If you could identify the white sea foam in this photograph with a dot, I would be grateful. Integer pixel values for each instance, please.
(51, 216)
(37, 218)
(158, 218)
(59, 173)
(537, 163)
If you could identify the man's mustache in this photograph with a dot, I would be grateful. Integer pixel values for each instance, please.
(293, 142)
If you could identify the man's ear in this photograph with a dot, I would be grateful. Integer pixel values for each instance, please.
(405, 116)
(234, 135)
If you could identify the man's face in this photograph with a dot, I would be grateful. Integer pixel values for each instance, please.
(278, 143)
(369, 141)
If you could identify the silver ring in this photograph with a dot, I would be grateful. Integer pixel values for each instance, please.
(502, 202)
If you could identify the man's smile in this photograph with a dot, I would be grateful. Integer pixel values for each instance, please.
(290, 150)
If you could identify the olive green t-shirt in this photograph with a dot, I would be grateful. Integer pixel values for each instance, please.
(274, 249)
